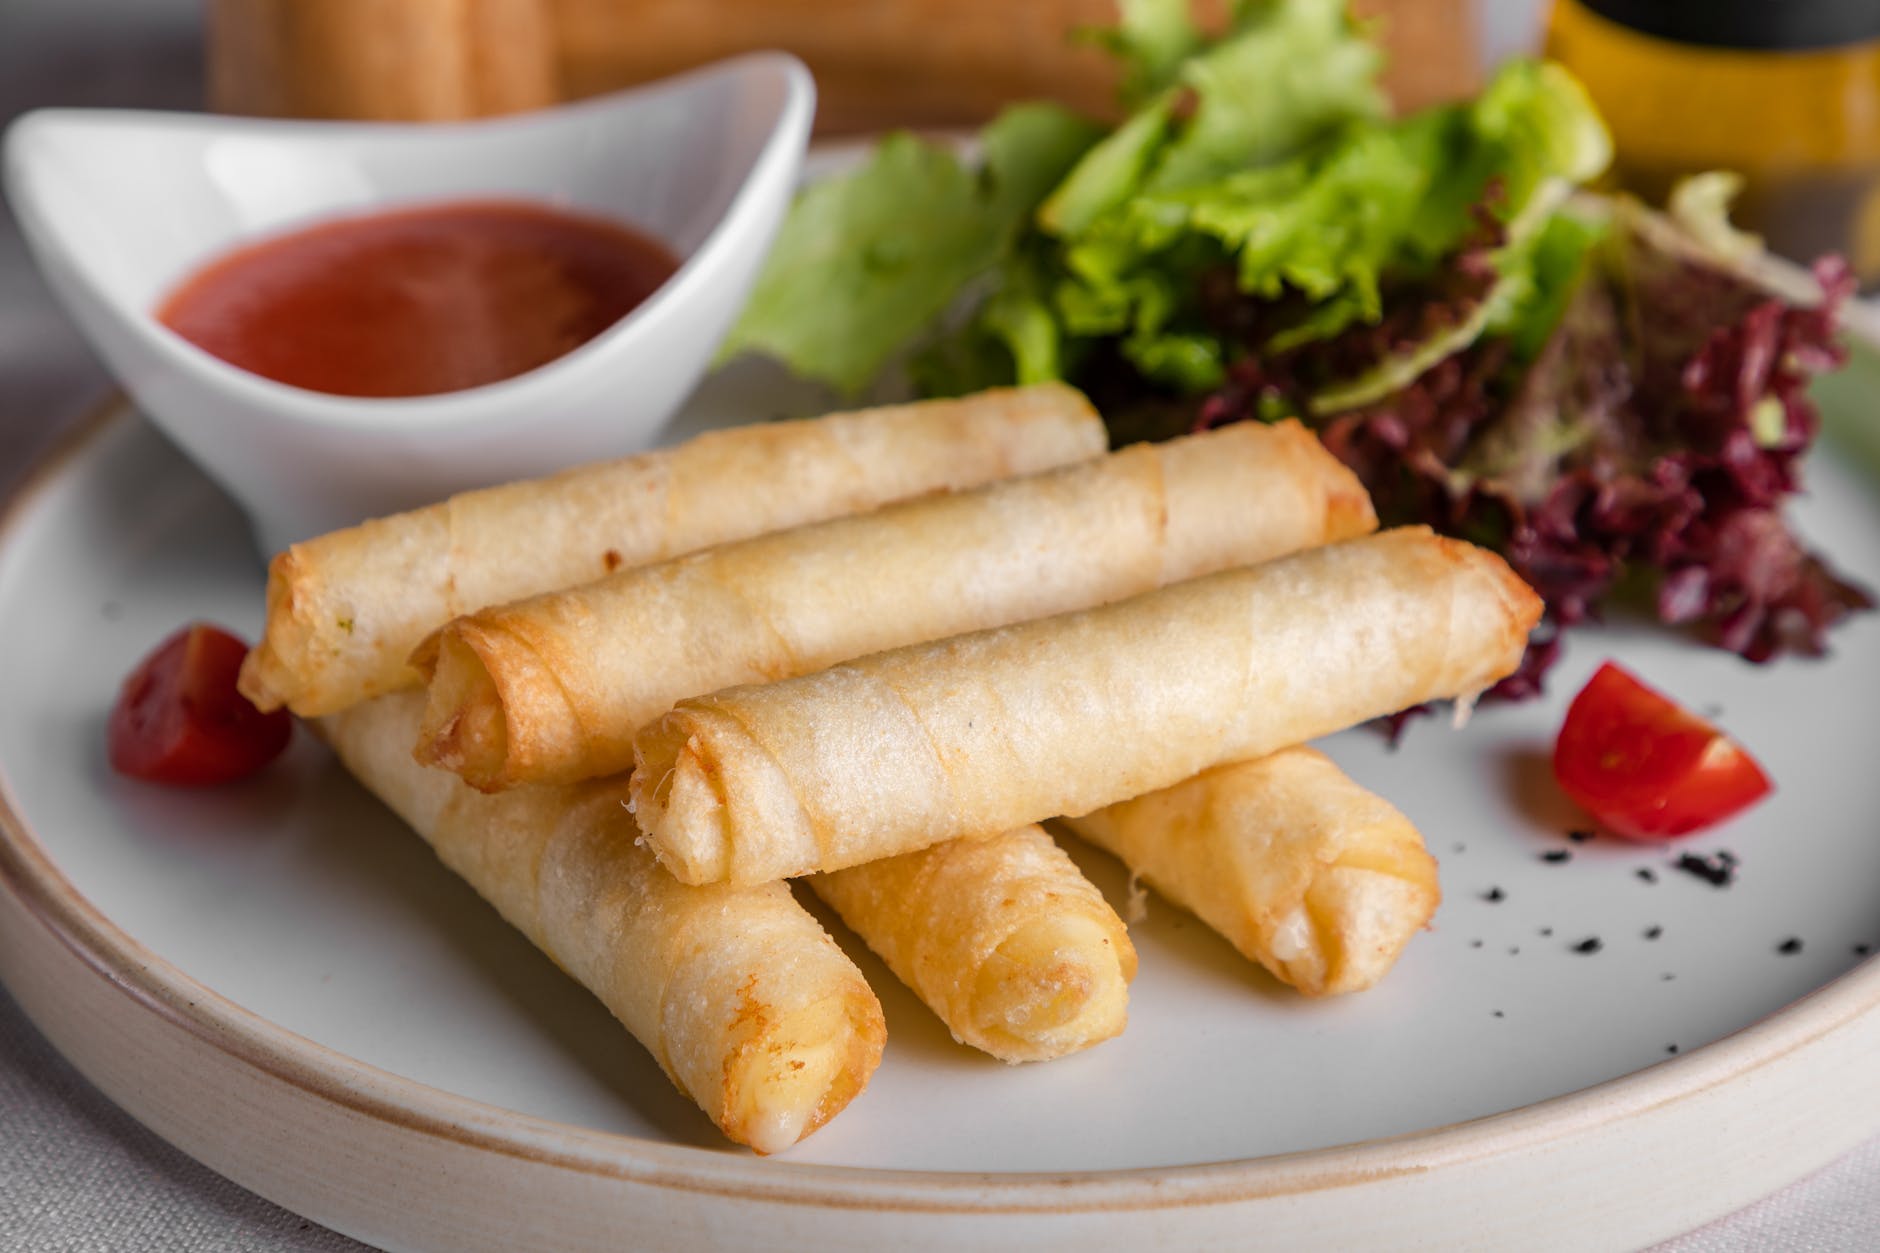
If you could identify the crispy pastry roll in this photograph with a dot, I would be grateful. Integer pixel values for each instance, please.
(552, 689)
(346, 609)
(985, 732)
(739, 993)
(1302, 870)
(1002, 937)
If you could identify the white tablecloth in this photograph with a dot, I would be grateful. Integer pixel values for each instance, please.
(78, 1174)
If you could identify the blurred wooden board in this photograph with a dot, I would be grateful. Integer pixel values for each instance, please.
(387, 60)
(878, 63)
(940, 63)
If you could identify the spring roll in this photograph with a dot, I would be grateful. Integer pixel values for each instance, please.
(1004, 938)
(1302, 870)
(552, 689)
(741, 996)
(989, 731)
(345, 610)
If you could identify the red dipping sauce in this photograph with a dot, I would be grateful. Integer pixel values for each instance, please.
(413, 302)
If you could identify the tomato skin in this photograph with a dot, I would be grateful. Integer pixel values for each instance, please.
(1646, 768)
(179, 720)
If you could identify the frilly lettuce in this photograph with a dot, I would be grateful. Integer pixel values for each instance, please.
(1328, 228)
(1601, 393)
(866, 262)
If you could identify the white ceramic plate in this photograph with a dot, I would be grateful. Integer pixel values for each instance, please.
(279, 977)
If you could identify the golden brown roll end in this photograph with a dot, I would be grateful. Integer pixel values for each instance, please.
(739, 994)
(1298, 867)
(1003, 938)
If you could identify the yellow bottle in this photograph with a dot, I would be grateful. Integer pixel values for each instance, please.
(1787, 92)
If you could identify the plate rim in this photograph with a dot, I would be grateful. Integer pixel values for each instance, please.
(35, 883)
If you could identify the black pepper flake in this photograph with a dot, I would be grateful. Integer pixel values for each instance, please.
(1647, 874)
(1653, 932)
(1861, 950)
(1462, 848)
(1671, 1048)
(1557, 855)
(1546, 931)
(1667, 977)
(1499, 1014)
(1790, 946)
(1718, 870)
(1494, 895)
(1514, 950)
(1475, 944)
(1591, 944)
(1580, 836)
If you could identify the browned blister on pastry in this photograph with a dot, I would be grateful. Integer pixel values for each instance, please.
(1296, 865)
(745, 1001)
(345, 610)
(985, 732)
(1003, 937)
(553, 688)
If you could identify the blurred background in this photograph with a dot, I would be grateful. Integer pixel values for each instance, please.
(877, 64)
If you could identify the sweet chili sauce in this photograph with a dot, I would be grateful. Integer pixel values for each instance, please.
(412, 302)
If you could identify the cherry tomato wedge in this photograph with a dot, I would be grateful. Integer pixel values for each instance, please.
(1645, 767)
(179, 719)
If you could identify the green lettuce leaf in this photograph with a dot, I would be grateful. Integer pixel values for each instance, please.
(1111, 172)
(1150, 40)
(1554, 267)
(1291, 72)
(1532, 135)
(1287, 73)
(1025, 152)
(867, 261)
(1259, 160)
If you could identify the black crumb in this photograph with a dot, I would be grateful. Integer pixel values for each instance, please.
(1671, 1048)
(1557, 855)
(1499, 1014)
(1861, 950)
(1718, 870)
(1591, 944)
(1647, 874)
(1790, 946)
(1653, 932)
(1475, 944)
(1580, 836)
(1546, 931)
(1493, 895)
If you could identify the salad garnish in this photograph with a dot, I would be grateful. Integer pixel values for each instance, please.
(1615, 399)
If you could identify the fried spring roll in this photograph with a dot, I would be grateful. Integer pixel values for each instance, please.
(1003, 938)
(552, 689)
(1302, 870)
(739, 994)
(985, 732)
(345, 610)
